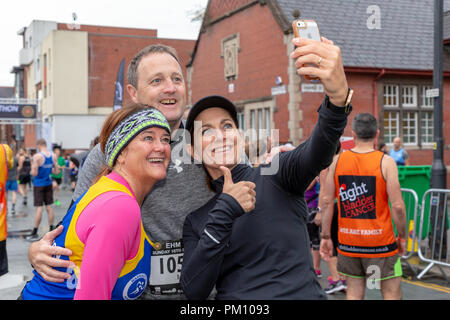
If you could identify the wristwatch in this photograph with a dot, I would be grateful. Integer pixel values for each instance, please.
(348, 100)
(325, 236)
(347, 104)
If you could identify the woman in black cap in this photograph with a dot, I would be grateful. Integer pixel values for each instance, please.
(264, 252)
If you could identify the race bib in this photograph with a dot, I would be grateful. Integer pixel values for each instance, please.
(167, 258)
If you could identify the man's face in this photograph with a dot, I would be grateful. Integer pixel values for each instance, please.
(397, 143)
(161, 85)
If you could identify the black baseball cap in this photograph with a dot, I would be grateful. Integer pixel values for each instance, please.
(210, 102)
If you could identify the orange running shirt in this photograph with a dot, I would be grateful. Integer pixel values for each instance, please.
(6, 161)
(365, 226)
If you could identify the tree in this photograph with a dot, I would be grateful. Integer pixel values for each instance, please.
(197, 13)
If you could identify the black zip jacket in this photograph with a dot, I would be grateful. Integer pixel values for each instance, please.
(265, 253)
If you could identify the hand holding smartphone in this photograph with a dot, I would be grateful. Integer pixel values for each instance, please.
(306, 29)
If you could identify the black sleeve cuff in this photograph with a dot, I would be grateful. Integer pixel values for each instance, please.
(233, 205)
(337, 109)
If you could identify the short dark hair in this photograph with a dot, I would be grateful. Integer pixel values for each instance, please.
(41, 142)
(132, 73)
(365, 126)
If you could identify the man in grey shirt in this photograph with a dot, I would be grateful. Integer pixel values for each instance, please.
(155, 78)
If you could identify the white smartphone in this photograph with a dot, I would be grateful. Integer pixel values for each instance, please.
(306, 29)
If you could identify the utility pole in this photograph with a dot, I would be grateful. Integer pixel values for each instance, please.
(438, 169)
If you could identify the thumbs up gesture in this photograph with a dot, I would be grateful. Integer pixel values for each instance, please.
(243, 191)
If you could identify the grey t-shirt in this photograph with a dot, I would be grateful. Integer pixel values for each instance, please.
(163, 212)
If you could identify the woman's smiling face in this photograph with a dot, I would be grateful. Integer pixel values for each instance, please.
(147, 156)
(220, 139)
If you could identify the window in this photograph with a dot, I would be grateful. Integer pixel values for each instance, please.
(230, 50)
(407, 113)
(390, 126)
(258, 127)
(390, 95)
(267, 116)
(241, 120)
(426, 124)
(253, 125)
(260, 121)
(409, 126)
(424, 101)
(409, 96)
(45, 75)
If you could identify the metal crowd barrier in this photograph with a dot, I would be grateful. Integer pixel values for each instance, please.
(434, 234)
(411, 201)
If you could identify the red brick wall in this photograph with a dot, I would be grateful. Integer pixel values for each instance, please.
(218, 8)
(105, 54)
(362, 102)
(262, 58)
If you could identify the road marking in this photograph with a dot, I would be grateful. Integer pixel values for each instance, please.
(428, 285)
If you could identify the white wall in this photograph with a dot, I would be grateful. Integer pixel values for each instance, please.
(76, 131)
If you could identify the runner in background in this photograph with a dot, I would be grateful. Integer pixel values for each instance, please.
(398, 153)
(6, 161)
(336, 282)
(57, 178)
(312, 200)
(42, 166)
(364, 181)
(73, 174)
(24, 169)
(11, 185)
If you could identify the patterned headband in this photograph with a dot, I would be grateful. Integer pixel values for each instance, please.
(129, 128)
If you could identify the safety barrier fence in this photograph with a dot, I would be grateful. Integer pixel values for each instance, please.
(428, 233)
(411, 201)
(433, 230)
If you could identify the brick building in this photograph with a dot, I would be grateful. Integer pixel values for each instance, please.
(71, 70)
(243, 48)
(5, 130)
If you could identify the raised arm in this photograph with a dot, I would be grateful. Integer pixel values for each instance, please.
(298, 167)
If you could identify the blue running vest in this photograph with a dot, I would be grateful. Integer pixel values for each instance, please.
(43, 177)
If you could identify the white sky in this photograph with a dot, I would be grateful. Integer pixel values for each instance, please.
(170, 17)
